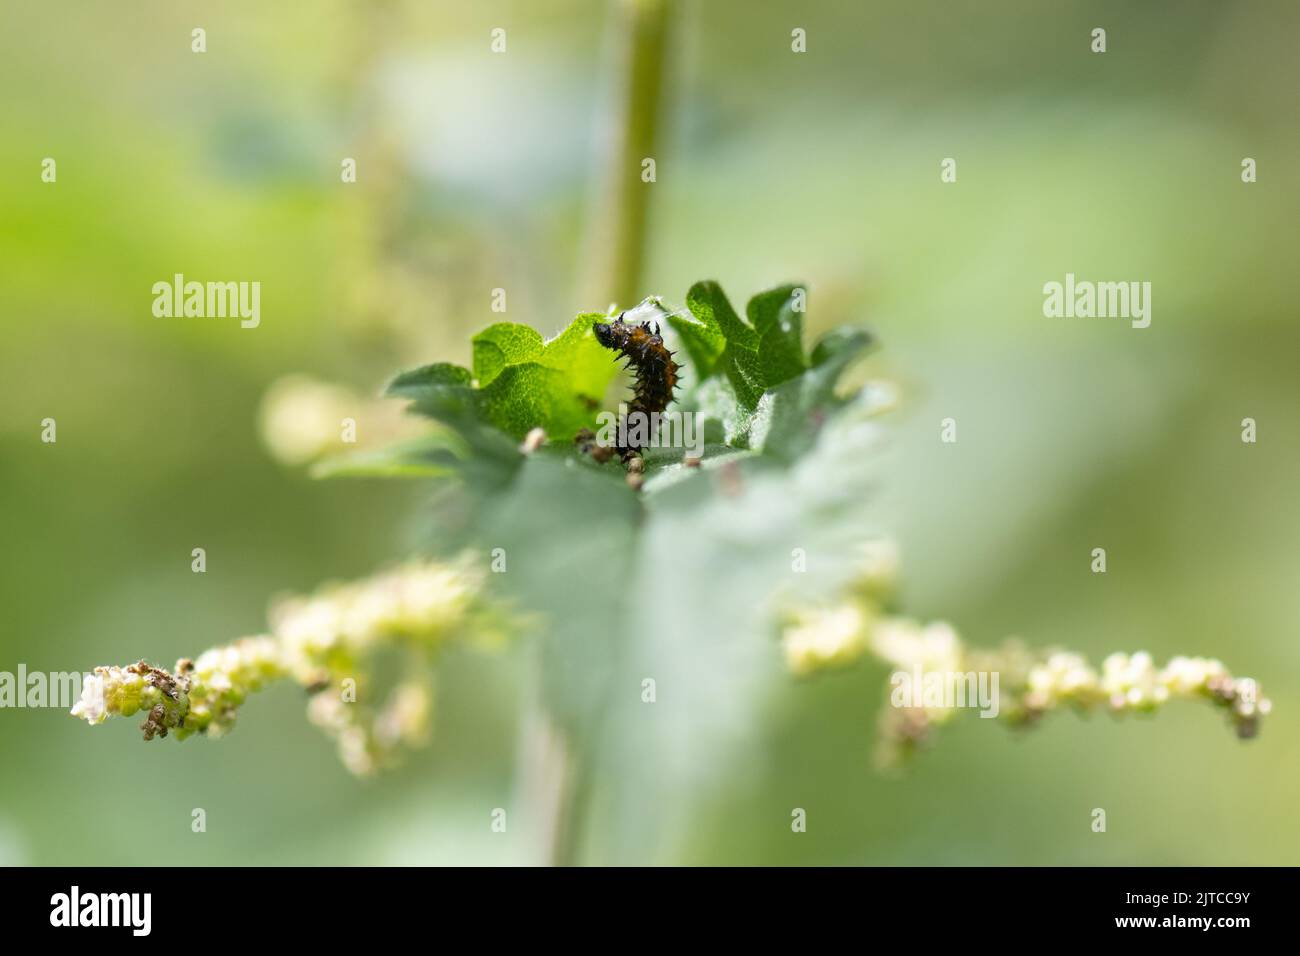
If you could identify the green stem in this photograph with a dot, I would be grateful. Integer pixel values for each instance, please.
(617, 232)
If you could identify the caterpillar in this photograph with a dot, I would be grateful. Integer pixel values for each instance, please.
(656, 372)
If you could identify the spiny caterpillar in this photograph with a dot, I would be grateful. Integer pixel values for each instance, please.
(656, 372)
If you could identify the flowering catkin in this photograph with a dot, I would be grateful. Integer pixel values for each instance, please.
(324, 642)
(1031, 683)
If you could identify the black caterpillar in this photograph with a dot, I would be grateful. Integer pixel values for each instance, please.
(656, 372)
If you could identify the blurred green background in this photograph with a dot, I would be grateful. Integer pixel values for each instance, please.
(475, 172)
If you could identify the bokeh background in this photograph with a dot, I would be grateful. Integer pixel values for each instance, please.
(476, 172)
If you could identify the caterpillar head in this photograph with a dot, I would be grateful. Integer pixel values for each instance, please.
(611, 334)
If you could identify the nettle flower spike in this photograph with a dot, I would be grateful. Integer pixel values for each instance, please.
(123, 691)
(198, 697)
(222, 678)
(942, 675)
(324, 642)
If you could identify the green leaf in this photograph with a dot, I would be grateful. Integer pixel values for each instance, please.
(710, 305)
(753, 386)
(780, 331)
(523, 382)
(797, 409)
(417, 382)
(532, 395)
(699, 331)
(434, 456)
(505, 343)
(745, 373)
(442, 391)
(753, 356)
(716, 549)
(588, 366)
(718, 323)
(569, 532)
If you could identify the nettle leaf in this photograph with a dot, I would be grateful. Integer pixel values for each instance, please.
(444, 393)
(568, 533)
(719, 342)
(587, 365)
(415, 383)
(717, 549)
(794, 413)
(530, 396)
(751, 384)
(715, 400)
(519, 381)
(701, 335)
(505, 343)
(436, 456)
(777, 316)
(753, 356)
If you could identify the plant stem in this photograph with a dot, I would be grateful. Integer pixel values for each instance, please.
(617, 232)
